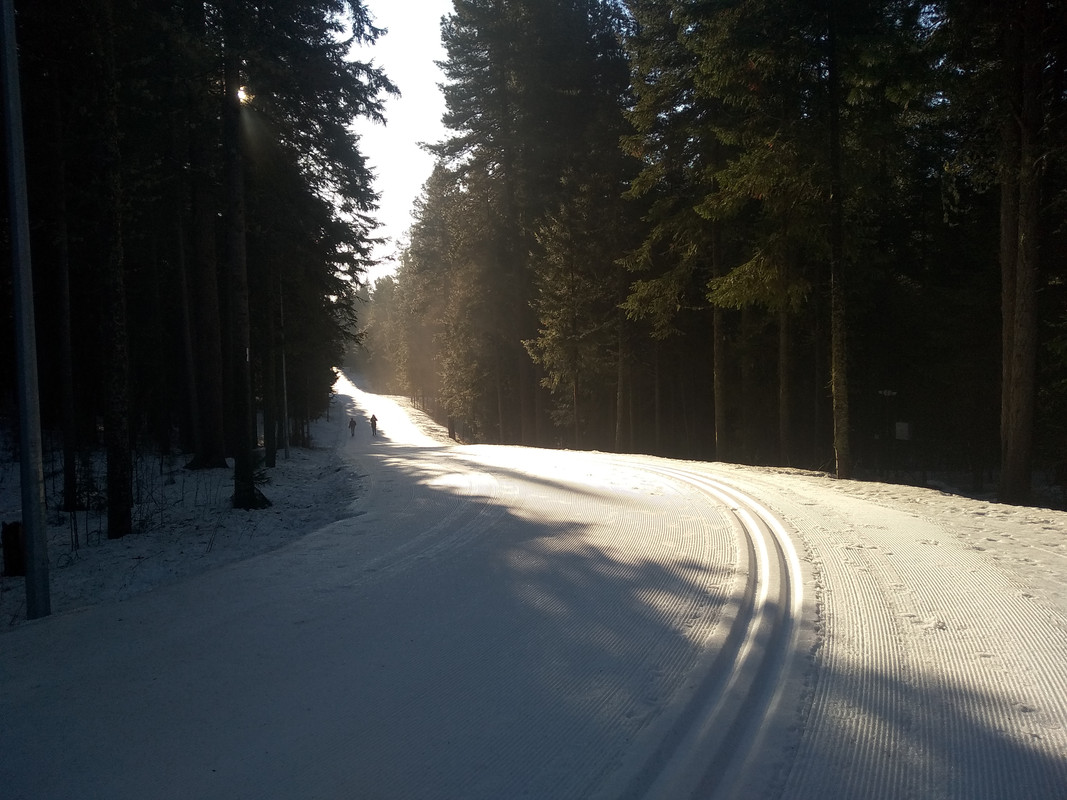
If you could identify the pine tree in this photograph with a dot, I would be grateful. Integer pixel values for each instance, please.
(524, 81)
(1024, 143)
(676, 142)
(581, 339)
(199, 264)
(1013, 53)
(112, 272)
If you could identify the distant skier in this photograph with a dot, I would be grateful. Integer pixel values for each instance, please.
(352, 426)
(373, 425)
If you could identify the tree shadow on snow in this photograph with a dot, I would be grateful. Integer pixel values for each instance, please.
(544, 651)
(502, 655)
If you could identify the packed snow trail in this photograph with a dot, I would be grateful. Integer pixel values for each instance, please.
(478, 628)
(492, 622)
(941, 672)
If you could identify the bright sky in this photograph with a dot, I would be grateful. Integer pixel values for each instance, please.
(407, 53)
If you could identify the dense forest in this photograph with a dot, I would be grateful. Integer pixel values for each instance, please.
(200, 215)
(818, 233)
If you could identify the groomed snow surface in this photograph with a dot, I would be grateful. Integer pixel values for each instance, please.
(416, 619)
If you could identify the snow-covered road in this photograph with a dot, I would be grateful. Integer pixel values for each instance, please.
(492, 622)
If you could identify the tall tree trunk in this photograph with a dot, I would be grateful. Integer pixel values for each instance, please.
(816, 450)
(207, 328)
(113, 282)
(620, 382)
(527, 420)
(270, 383)
(574, 409)
(657, 403)
(751, 388)
(31, 467)
(499, 397)
(785, 388)
(245, 493)
(1020, 225)
(192, 399)
(838, 320)
(61, 236)
(719, 356)
(203, 271)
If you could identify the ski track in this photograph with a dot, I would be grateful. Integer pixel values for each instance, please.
(613, 539)
(501, 622)
(596, 596)
(739, 685)
(925, 688)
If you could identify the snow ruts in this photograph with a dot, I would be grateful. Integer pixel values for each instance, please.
(715, 742)
(547, 634)
(938, 675)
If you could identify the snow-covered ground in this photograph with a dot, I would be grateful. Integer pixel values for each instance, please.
(416, 619)
(184, 520)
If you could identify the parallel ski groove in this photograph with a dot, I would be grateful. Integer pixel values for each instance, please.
(708, 752)
(923, 689)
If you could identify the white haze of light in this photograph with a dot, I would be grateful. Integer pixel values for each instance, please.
(407, 53)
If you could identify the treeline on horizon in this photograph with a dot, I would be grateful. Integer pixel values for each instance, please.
(746, 230)
(200, 215)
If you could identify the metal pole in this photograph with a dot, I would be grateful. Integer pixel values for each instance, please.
(38, 598)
